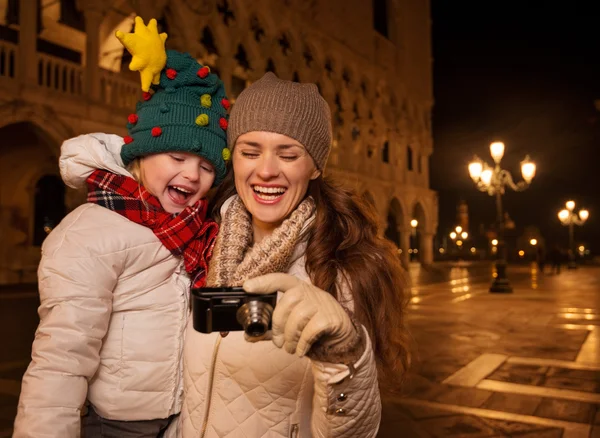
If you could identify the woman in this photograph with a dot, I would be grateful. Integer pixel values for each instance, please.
(338, 323)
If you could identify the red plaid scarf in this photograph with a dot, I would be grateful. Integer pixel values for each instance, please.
(187, 233)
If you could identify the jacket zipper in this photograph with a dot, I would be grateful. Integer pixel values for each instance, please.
(210, 385)
(294, 431)
(181, 338)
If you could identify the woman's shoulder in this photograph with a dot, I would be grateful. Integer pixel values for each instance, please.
(92, 230)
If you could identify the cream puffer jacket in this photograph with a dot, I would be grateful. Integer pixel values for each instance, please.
(114, 307)
(240, 389)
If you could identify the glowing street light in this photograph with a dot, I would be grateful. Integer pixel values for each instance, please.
(569, 218)
(533, 242)
(493, 180)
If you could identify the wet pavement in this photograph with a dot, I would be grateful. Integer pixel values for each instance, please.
(525, 364)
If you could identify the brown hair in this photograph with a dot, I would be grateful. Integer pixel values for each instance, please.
(344, 239)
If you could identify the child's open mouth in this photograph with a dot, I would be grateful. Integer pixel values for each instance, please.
(180, 195)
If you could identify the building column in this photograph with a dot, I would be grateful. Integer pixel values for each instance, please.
(28, 13)
(426, 248)
(94, 14)
(404, 246)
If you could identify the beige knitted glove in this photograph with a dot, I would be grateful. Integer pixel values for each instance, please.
(307, 316)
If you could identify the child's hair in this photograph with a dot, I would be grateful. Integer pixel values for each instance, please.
(135, 168)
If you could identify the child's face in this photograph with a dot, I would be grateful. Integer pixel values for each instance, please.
(177, 179)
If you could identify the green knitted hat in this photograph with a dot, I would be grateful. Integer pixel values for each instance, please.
(186, 113)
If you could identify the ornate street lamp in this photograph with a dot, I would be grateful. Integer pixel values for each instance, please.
(569, 218)
(493, 181)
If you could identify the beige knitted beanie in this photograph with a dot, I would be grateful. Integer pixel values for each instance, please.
(284, 107)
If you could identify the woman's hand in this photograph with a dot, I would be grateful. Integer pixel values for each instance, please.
(305, 315)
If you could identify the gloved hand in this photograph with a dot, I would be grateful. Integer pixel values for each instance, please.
(305, 315)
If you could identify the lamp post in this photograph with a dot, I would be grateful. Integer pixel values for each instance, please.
(569, 218)
(493, 180)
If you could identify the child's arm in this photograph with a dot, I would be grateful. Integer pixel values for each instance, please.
(76, 289)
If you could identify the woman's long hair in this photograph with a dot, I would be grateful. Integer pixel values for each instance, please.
(344, 239)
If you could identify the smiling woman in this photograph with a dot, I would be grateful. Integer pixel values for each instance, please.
(272, 176)
(338, 323)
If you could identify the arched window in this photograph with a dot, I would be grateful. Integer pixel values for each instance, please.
(409, 158)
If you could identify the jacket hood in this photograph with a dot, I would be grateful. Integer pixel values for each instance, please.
(80, 156)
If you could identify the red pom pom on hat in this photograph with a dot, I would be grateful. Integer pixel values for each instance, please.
(203, 72)
(132, 118)
(146, 95)
(226, 104)
(127, 139)
(223, 123)
(171, 73)
(156, 131)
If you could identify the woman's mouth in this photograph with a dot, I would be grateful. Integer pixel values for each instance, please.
(179, 194)
(268, 194)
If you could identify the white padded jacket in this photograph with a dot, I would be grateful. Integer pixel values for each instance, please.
(239, 389)
(114, 307)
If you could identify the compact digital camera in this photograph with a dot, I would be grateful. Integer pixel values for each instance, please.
(227, 309)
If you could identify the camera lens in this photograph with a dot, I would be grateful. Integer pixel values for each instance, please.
(254, 316)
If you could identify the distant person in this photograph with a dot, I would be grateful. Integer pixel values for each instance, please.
(556, 258)
(540, 258)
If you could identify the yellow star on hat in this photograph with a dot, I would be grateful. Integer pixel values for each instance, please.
(147, 47)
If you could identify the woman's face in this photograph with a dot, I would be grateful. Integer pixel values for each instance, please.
(272, 172)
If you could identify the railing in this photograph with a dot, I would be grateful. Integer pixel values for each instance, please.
(68, 78)
(118, 92)
(59, 75)
(8, 59)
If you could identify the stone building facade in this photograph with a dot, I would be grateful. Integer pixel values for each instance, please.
(63, 73)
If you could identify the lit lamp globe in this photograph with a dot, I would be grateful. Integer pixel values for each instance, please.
(584, 215)
(527, 170)
(464, 235)
(533, 242)
(475, 169)
(570, 205)
(414, 223)
(497, 151)
(452, 235)
(563, 215)
(486, 177)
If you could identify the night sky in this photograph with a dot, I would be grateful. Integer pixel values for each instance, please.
(526, 75)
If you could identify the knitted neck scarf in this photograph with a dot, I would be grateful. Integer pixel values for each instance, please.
(187, 234)
(236, 259)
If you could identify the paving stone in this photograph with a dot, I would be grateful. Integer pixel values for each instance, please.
(550, 433)
(472, 397)
(458, 426)
(574, 374)
(403, 429)
(513, 427)
(567, 410)
(424, 412)
(572, 384)
(515, 403)
(522, 368)
(513, 377)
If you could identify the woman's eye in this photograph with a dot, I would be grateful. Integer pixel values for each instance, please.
(208, 169)
(176, 158)
(249, 154)
(289, 157)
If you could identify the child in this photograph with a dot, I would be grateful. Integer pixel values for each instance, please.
(115, 274)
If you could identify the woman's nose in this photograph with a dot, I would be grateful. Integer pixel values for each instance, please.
(267, 167)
